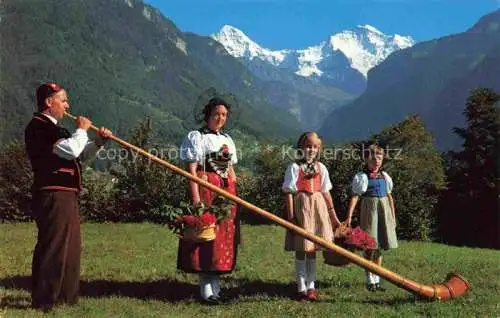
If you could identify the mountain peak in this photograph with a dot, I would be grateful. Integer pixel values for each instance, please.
(364, 46)
(238, 44)
(370, 28)
(230, 30)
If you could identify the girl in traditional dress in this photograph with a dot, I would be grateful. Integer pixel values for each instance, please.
(373, 188)
(309, 205)
(210, 154)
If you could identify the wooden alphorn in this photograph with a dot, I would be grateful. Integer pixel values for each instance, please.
(455, 285)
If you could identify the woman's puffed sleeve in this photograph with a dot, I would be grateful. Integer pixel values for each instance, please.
(388, 181)
(359, 184)
(291, 176)
(326, 184)
(191, 147)
(232, 150)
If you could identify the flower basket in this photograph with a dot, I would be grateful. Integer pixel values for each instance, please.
(198, 223)
(334, 259)
(350, 239)
(204, 234)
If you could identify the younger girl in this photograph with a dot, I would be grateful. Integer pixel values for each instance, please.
(309, 205)
(378, 217)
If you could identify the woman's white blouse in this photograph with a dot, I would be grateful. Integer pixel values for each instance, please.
(292, 175)
(196, 145)
(360, 183)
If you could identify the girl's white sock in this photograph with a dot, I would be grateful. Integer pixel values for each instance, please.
(370, 278)
(300, 275)
(310, 272)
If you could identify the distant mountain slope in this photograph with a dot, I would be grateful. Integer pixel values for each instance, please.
(121, 60)
(432, 79)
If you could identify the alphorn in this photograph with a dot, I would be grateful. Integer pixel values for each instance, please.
(455, 285)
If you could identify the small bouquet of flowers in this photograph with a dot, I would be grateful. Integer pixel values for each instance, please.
(351, 239)
(359, 239)
(196, 222)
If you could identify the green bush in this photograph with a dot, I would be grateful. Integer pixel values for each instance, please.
(263, 187)
(145, 190)
(15, 182)
(342, 167)
(96, 202)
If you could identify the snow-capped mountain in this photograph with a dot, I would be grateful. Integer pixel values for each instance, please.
(238, 44)
(364, 47)
(312, 82)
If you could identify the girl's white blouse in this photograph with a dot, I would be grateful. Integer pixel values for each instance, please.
(292, 175)
(359, 183)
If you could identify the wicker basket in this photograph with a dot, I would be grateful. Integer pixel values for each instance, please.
(202, 235)
(332, 258)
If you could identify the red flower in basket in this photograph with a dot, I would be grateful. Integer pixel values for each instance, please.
(198, 222)
(360, 239)
(350, 239)
(207, 219)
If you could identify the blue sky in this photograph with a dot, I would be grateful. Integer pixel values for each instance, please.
(293, 24)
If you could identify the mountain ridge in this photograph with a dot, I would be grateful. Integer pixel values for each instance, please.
(312, 82)
(364, 46)
(121, 61)
(431, 79)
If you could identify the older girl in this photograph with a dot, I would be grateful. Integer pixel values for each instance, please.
(309, 204)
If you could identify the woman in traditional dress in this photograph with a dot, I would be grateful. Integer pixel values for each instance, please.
(210, 154)
(373, 188)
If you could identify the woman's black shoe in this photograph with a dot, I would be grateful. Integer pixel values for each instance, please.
(224, 298)
(212, 300)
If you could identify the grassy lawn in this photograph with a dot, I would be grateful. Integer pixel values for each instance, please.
(130, 270)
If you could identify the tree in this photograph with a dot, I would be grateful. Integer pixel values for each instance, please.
(470, 212)
(416, 168)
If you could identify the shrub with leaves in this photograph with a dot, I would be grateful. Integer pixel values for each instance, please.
(263, 187)
(146, 190)
(342, 167)
(96, 201)
(16, 179)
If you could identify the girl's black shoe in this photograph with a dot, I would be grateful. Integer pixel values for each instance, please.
(379, 287)
(371, 287)
(224, 298)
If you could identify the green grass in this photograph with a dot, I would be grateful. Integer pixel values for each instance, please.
(130, 270)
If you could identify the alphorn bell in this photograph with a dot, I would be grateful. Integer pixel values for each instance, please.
(455, 285)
